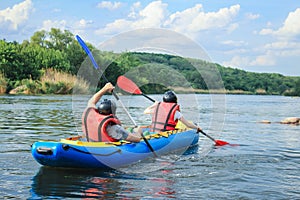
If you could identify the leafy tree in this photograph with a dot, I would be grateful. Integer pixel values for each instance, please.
(39, 38)
(63, 42)
(297, 88)
(59, 40)
(75, 55)
(127, 60)
(31, 61)
(11, 61)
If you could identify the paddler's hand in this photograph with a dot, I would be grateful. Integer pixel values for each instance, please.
(199, 129)
(108, 87)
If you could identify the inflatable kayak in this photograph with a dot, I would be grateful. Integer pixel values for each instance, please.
(74, 153)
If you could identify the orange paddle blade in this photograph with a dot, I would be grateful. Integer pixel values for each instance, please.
(220, 143)
(128, 86)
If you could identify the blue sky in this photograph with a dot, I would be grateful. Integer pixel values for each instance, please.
(260, 36)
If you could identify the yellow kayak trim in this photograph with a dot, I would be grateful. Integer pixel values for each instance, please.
(75, 141)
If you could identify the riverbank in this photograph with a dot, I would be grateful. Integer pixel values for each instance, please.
(51, 82)
(181, 90)
(30, 87)
(55, 82)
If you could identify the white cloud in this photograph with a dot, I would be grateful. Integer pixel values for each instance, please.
(291, 25)
(269, 24)
(231, 27)
(151, 16)
(48, 24)
(252, 16)
(81, 27)
(186, 17)
(76, 27)
(235, 43)
(189, 21)
(109, 5)
(195, 19)
(237, 61)
(283, 45)
(284, 48)
(266, 31)
(236, 51)
(134, 7)
(12, 18)
(83, 23)
(264, 60)
(266, 55)
(290, 28)
(244, 62)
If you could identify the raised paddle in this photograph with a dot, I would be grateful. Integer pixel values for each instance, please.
(129, 86)
(89, 53)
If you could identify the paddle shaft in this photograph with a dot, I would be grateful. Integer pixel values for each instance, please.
(207, 135)
(148, 97)
(89, 53)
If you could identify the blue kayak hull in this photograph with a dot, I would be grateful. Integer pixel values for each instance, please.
(70, 153)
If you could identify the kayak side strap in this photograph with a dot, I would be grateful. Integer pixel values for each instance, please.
(44, 150)
(67, 147)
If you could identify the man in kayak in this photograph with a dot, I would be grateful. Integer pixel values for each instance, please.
(165, 115)
(100, 123)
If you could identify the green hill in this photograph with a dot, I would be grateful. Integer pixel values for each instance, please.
(58, 50)
(202, 75)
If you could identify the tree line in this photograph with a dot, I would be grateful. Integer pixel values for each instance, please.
(59, 50)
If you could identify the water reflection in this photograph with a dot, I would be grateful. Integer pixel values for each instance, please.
(106, 184)
(162, 188)
(62, 183)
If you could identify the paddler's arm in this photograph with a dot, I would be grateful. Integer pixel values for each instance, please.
(189, 124)
(149, 110)
(118, 132)
(96, 97)
(133, 138)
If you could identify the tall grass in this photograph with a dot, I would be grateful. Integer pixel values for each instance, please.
(55, 82)
(51, 82)
(3, 84)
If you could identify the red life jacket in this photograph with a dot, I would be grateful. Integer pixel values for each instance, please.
(94, 125)
(163, 117)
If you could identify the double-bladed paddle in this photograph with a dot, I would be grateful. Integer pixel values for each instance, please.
(89, 53)
(129, 86)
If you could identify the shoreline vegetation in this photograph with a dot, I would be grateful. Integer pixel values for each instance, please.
(51, 82)
(182, 90)
(49, 62)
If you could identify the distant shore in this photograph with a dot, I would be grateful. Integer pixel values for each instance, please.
(62, 89)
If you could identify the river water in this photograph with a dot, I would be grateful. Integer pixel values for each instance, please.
(264, 165)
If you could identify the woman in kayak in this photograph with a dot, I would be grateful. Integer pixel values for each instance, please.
(165, 115)
(100, 124)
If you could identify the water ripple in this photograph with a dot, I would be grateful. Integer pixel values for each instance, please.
(265, 165)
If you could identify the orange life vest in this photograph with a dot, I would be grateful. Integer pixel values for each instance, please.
(94, 125)
(163, 117)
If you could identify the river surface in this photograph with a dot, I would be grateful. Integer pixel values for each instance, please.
(264, 165)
